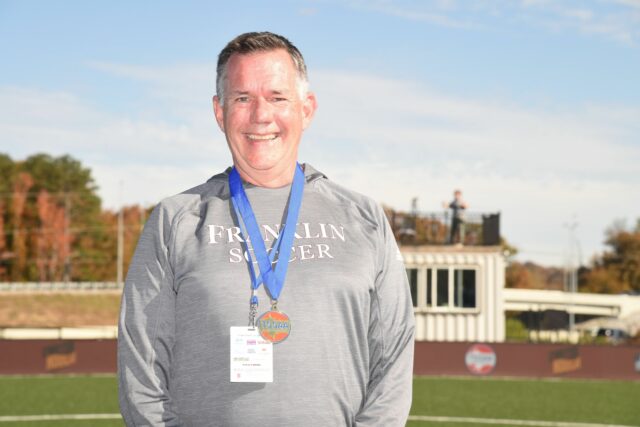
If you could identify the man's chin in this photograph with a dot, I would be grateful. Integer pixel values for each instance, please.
(265, 166)
(265, 162)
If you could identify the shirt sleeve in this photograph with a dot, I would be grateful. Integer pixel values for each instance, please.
(391, 341)
(147, 329)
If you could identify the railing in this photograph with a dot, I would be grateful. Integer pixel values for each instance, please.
(435, 228)
(58, 286)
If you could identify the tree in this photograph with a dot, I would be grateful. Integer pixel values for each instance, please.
(6, 173)
(53, 239)
(52, 226)
(517, 276)
(21, 186)
(617, 269)
(46, 203)
(529, 275)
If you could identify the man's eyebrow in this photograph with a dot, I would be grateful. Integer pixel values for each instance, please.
(272, 92)
(280, 92)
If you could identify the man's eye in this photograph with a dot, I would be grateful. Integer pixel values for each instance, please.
(242, 99)
(279, 99)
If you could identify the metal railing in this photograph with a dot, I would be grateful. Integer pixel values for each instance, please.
(58, 286)
(435, 228)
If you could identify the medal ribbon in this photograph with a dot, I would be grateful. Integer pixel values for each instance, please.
(273, 279)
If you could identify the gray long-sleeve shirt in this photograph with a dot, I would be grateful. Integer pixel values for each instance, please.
(349, 358)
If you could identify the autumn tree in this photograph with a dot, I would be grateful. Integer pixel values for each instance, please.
(47, 203)
(529, 275)
(133, 218)
(21, 186)
(618, 268)
(6, 174)
(52, 240)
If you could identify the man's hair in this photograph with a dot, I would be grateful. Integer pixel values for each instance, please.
(248, 43)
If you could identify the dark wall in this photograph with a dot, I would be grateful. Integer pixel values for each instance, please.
(530, 360)
(57, 356)
(431, 358)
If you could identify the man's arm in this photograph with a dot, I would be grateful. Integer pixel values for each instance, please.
(146, 330)
(391, 341)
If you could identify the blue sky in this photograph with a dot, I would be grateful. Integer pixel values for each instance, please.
(531, 107)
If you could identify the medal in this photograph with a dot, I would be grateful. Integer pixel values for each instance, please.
(274, 325)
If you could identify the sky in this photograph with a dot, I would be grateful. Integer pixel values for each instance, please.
(531, 107)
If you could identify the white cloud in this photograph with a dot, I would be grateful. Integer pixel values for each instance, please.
(439, 13)
(147, 184)
(395, 140)
(629, 3)
(140, 152)
(618, 20)
(391, 139)
(405, 120)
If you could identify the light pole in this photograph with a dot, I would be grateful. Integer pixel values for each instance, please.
(571, 268)
(120, 241)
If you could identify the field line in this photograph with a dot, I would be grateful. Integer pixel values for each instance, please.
(498, 421)
(57, 417)
(501, 421)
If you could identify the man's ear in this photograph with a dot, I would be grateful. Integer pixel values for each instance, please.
(309, 106)
(218, 111)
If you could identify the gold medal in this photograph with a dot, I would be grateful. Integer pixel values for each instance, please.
(274, 326)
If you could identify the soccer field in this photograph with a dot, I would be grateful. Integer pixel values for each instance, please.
(573, 401)
(447, 402)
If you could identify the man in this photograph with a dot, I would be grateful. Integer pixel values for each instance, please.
(457, 207)
(210, 257)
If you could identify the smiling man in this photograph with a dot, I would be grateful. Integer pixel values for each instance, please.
(268, 295)
(262, 107)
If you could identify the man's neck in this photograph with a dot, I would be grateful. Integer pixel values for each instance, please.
(271, 178)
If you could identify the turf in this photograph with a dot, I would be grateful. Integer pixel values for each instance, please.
(616, 402)
(76, 423)
(612, 402)
(39, 395)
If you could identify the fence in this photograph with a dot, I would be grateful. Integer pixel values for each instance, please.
(26, 287)
(435, 228)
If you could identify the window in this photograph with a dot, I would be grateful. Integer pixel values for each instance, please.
(444, 288)
(429, 287)
(412, 275)
(442, 281)
(464, 288)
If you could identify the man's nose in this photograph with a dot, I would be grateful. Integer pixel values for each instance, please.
(262, 111)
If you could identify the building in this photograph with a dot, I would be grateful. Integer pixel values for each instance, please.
(457, 292)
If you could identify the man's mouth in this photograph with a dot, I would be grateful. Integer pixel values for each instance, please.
(261, 137)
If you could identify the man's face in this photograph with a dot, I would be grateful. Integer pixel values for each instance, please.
(262, 114)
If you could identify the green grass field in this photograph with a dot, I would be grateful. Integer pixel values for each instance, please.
(601, 402)
(605, 402)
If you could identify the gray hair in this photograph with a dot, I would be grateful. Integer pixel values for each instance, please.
(259, 42)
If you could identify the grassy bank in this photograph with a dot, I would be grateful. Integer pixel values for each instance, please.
(59, 309)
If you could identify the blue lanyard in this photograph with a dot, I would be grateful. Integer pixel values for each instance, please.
(273, 279)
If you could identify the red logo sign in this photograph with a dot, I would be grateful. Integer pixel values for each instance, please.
(480, 359)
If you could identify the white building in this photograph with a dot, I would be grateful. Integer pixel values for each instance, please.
(457, 292)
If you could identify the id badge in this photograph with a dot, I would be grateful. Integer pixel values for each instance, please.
(251, 356)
